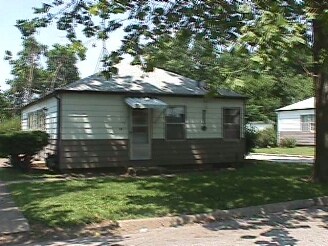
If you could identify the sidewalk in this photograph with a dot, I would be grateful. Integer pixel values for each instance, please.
(281, 158)
(295, 227)
(11, 218)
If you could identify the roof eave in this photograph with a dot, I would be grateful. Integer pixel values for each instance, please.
(296, 109)
(51, 94)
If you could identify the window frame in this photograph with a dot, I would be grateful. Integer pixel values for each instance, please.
(310, 124)
(36, 120)
(240, 123)
(184, 123)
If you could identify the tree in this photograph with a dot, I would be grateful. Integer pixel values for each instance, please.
(267, 90)
(61, 66)
(5, 107)
(269, 29)
(196, 59)
(26, 70)
(31, 78)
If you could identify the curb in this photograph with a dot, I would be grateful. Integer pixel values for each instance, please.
(220, 215)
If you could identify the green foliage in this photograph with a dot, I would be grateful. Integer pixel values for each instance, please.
(267, 89)
(31, 78)
(10, 125)
(22, 145)
(267, 138)
(251, 136)
(288, 142)
(61, 66)
(5, 107)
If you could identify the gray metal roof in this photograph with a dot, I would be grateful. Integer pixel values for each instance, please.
(305, 104)
(132, 79)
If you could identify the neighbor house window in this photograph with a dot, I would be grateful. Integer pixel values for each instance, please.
(175, 118)
(308, 123)
(36, 120)
(231, 123)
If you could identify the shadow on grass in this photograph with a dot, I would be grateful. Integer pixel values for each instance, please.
(253, 185)
(68, 203)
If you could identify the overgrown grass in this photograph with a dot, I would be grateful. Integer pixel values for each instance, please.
(306, 151)
(75, 202)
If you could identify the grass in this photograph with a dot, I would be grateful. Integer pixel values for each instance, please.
(77, 202)
(305, 151)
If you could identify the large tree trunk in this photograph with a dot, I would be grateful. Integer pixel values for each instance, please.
(320, 55)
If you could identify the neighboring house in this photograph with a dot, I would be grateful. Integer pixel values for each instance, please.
(297, 121)
(260, 125)
(137, 118)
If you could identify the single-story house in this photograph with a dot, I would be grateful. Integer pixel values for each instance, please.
(137, 118)
(297, 121)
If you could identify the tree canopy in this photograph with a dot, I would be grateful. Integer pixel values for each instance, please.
(32, 77)
(267, 89)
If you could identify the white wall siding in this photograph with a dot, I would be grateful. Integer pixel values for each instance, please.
(194, 108)
(90, 116)
(291, 120)
(51, 115)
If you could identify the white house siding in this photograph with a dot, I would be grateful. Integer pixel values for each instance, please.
(95, 132)
(91, 116)
(50, 122)
(194, 107)
(289, 126)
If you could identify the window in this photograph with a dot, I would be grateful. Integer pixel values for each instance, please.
(175, 123)
(36, 120)
(308, 123)
(231, 123)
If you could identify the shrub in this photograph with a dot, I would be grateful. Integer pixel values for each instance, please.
(250, 136)
(267, 138)
(21, 146)
(288, 142)
(10, 125)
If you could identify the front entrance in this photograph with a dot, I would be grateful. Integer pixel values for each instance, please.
(140, 141)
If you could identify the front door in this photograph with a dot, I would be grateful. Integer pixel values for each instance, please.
(140, 134)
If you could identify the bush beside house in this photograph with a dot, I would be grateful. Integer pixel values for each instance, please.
(21, 146)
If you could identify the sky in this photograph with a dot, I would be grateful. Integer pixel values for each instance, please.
(10, 38)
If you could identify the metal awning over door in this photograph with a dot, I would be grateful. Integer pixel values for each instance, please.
(145, 102)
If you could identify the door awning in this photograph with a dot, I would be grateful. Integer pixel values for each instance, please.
(145, 102)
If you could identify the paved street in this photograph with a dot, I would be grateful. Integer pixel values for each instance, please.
(299, 227)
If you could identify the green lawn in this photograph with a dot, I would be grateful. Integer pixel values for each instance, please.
(307, 151)
(76, 202)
